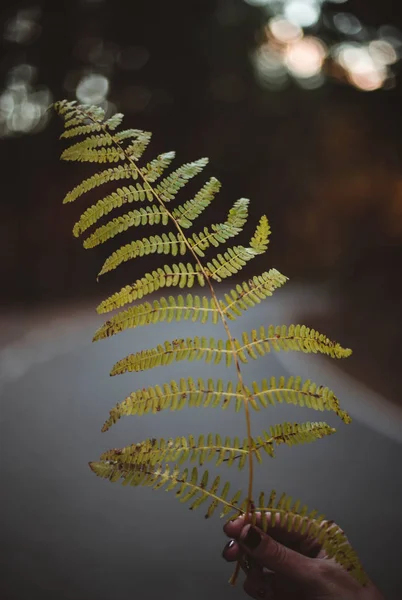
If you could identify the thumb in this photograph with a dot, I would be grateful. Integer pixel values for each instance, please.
(275, 556)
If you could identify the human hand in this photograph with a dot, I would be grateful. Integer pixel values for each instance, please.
(282, 565)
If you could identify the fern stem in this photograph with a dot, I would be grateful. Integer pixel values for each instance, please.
(250, 505)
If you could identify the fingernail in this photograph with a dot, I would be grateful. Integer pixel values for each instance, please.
(227, 547)
(252, 538)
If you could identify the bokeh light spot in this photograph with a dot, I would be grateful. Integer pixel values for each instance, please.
(284, 31)
(302, 12)
(305, 57)
(382, 52)
(347, 23)
(92, 89)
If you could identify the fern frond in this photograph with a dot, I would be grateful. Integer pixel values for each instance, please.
(299, 338)
(174, 244)
(190, 210)
(294, 337)
(75, 114)
(166, 243)
(170, 186)
(149, 462)
(193, 307)
(195, 486)
(154, 169)
(136, 194)
(248, 294)
(221, 232)
(168, 309)
(212, 447)
(89, 143)
(103, 155)
(124, 195)
(105, 176)
(81, 130)
(180, 274)
(151, 215)
(136, 149)
(187, 392)
(151, 172)
(180, 449)
(294, 391)
(114, 121)
(235, 258)
(259, 241)
(79, 150)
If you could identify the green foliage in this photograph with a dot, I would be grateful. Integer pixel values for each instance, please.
(175, 396)
(157, 463)
(210, 447)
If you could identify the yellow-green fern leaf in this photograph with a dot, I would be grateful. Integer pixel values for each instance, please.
(105, 176)
(78, 150)
(180, 274)
(154, 169)
(150, 215)
(168, 309)
(190, 210)
(166, 243)
(176, 350)
(151, 172)
(259, 241)
(103, 155)
(141, 192)
(212, 447)
(295, 433)
(114, 121)
(136, 149)
(235, 258)
(81, 130)
(188, 392)
(245, 296)
(169, 187)
(93, 141)
(281, 337)
(178, 450)
(189, 485)
(175, 396)
(127, 134)
(299, 338)
(61, 107)
(174, 243)
(249, 293)
(124, 195)
(293, 390)
(78, 114)
(221, 232)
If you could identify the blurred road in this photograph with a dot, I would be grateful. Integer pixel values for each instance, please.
(68, 535)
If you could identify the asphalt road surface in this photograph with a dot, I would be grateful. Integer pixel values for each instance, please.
(69, 535)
